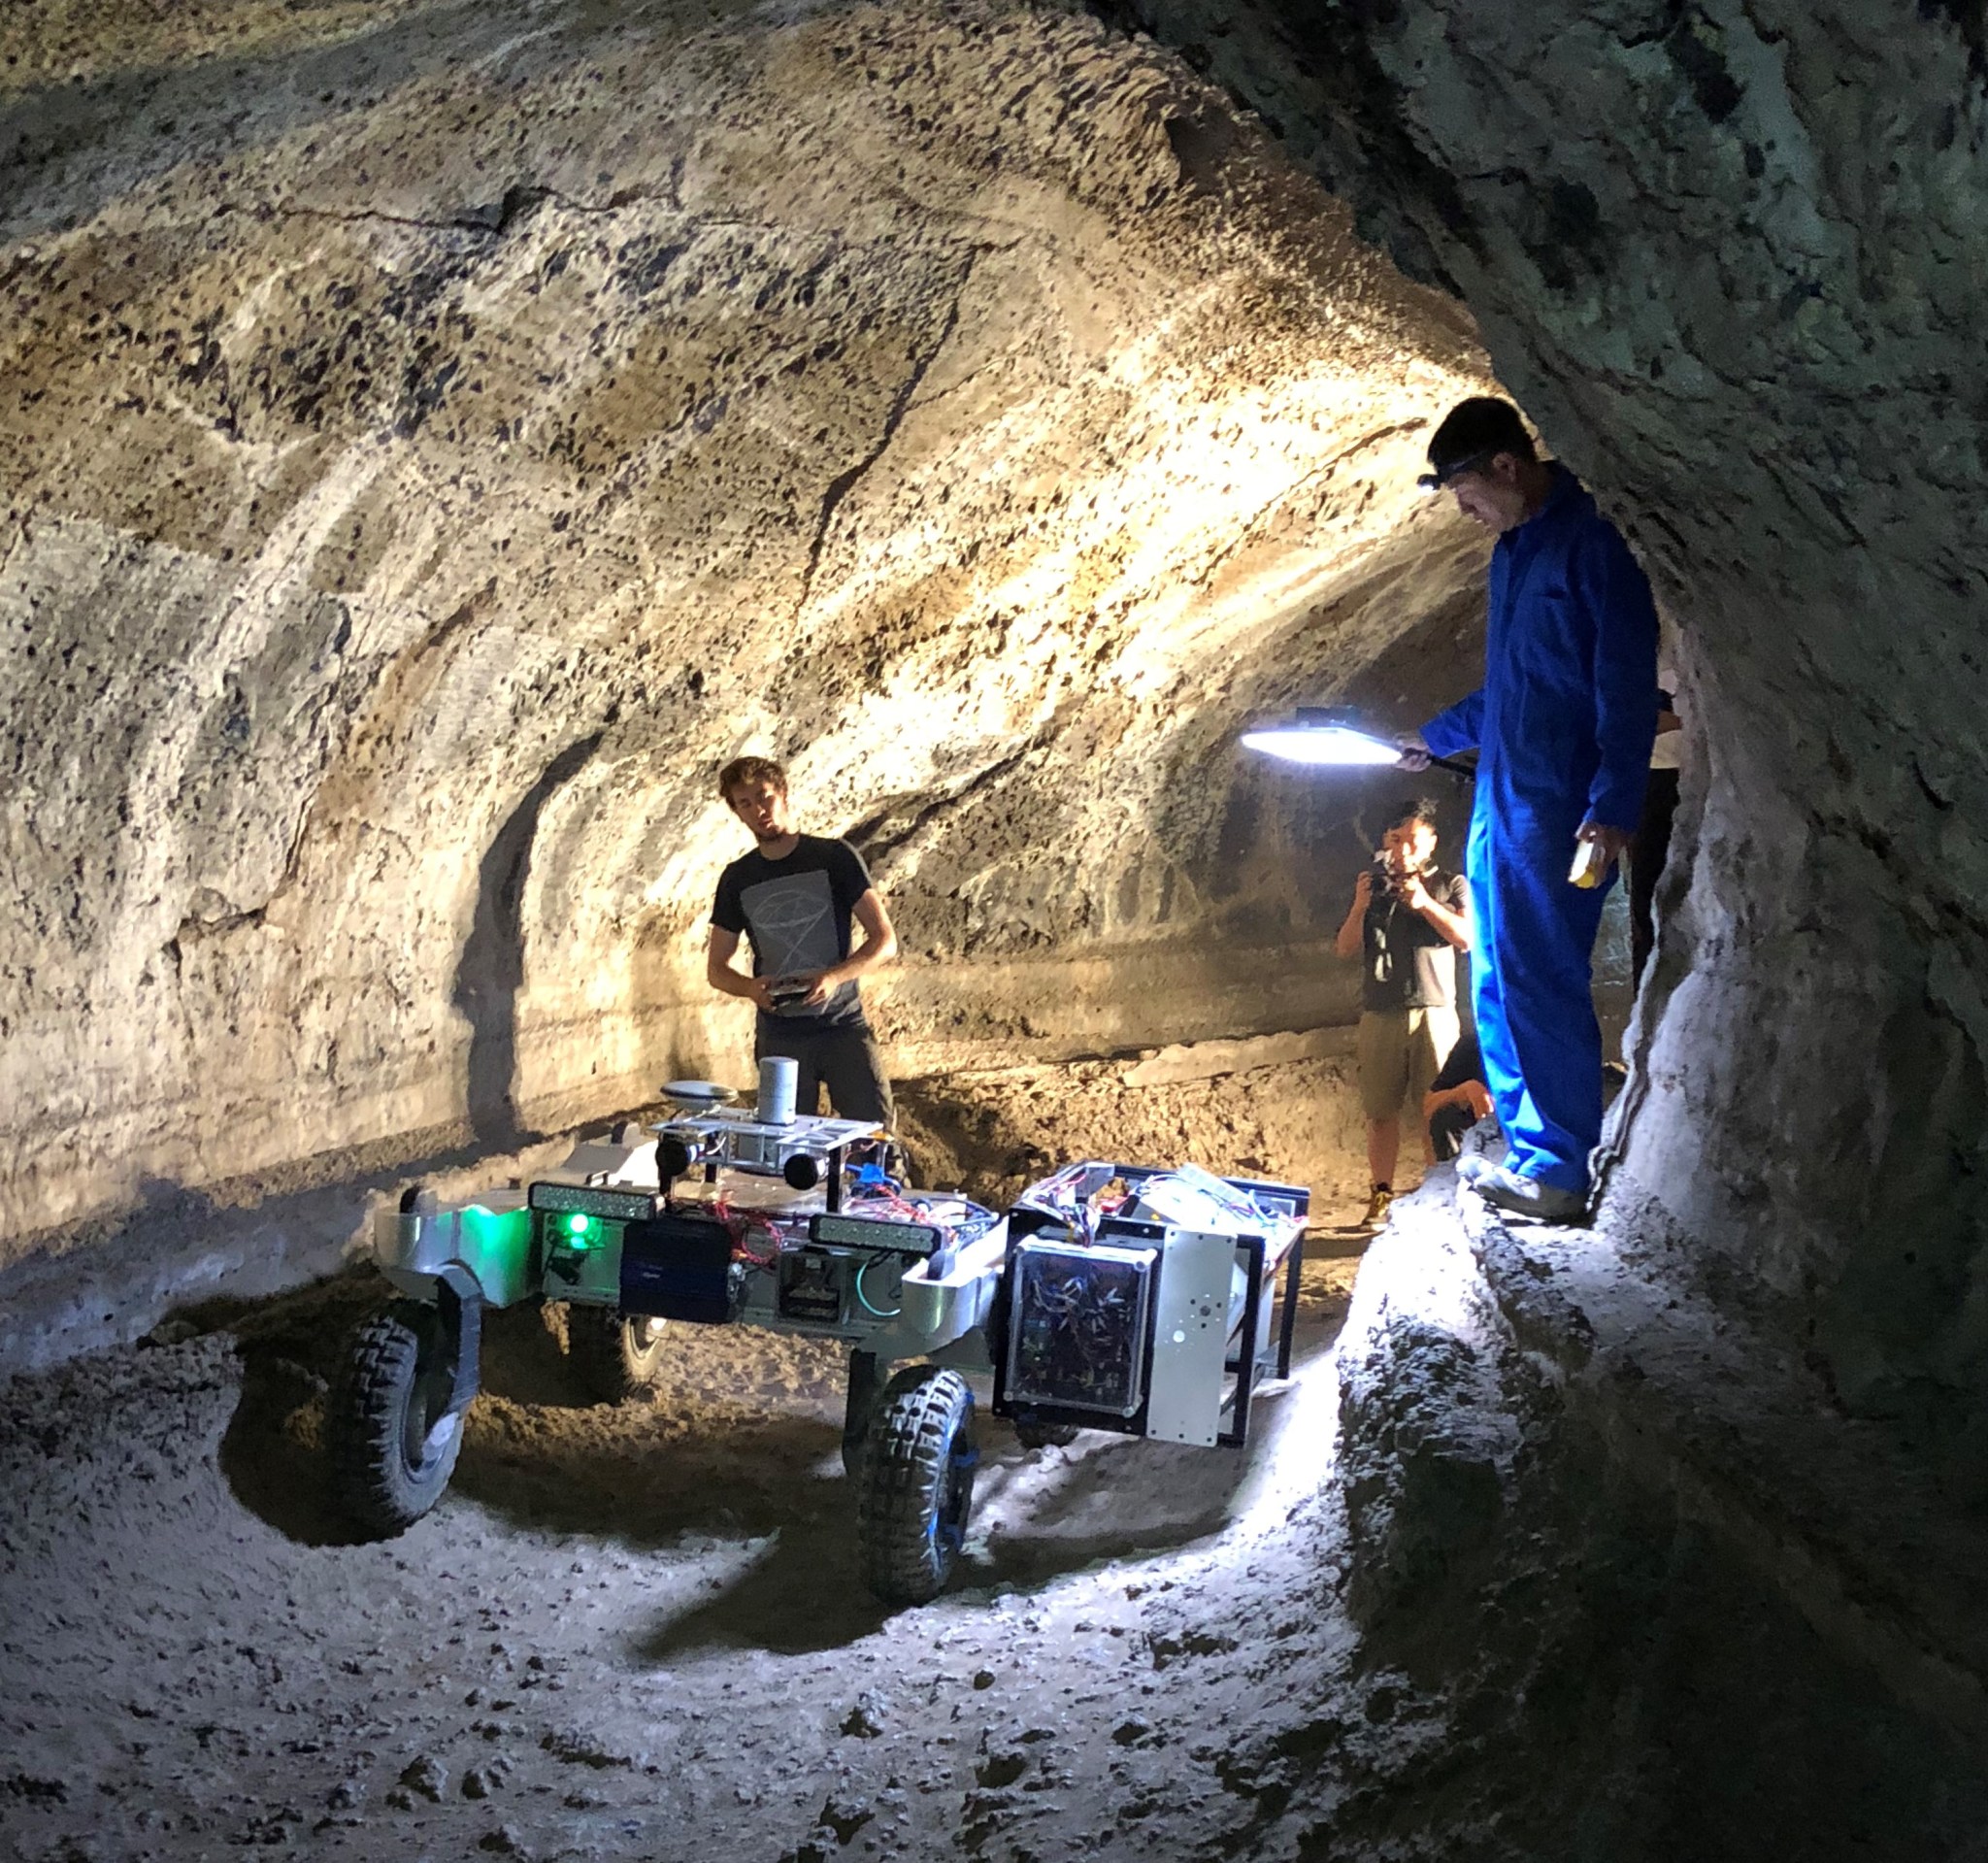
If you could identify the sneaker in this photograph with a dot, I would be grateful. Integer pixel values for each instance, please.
(1472, 1166)
(1528, 1197)
(1377, 1207)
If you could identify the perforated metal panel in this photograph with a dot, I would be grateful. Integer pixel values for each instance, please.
(1191, 1318)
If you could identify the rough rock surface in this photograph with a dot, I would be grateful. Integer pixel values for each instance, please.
(1593, 1516)
(1571, 1576)
(1730, 255)
(432, 438)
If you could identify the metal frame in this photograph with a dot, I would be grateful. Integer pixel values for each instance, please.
(956, 1299)
(1249, 1364)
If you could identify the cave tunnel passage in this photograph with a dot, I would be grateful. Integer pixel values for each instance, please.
(439, 440)
(416, 568)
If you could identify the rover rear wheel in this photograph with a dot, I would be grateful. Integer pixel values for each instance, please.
(394, 1441)
(612, 1357)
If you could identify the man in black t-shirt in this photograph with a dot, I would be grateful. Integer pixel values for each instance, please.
(1407, 924)
(794, 896)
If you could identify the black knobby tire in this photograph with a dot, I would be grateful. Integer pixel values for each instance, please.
(1044, 1436)
(394, 1441)
(612, 1357)
(915, 1487)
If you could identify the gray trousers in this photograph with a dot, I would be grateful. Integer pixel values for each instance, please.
(841, 1058)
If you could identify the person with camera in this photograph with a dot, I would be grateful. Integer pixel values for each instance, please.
(1407, 924)
(796, 897)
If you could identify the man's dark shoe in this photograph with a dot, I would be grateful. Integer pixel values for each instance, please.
(1523, 1196)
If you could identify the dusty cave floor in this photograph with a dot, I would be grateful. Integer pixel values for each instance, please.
(639, 1631)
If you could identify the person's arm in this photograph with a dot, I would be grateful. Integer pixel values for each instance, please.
(720, 973)
(878, 947)
(1474, 1094)
(1460, 728)
(1451, 921)
(1617, 594)
(1353, 932)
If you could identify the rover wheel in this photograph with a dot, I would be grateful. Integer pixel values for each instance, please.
(612, 1357)
(915, 1489)
(393, 1439)
(1044, 1436)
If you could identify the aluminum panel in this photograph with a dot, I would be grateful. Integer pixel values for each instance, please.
(1190, 1338)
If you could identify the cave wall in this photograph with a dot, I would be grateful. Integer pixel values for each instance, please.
(433, 439)
(1730, 256)
(1654, 1599)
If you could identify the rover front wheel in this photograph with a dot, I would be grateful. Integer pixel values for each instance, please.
(612, 1357)
(394, 1441)
(916, 1488)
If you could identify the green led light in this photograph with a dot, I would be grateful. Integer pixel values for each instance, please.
(578, 1224)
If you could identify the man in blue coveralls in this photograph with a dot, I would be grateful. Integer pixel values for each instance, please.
(1563, 726)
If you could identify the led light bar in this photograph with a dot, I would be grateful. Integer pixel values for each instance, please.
(1322, 743)
(1320, 738)
(577, 1199)
(864, 1232)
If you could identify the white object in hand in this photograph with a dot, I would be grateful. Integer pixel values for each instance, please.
(1590, 865)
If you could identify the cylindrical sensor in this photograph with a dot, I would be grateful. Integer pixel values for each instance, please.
(780, 1082)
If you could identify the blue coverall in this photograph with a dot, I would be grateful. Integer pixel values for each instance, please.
(1563, 723)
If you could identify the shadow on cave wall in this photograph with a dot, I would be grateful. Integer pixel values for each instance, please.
(189, 1252)
(491, 969)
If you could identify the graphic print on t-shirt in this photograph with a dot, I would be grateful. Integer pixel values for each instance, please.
(793, 923)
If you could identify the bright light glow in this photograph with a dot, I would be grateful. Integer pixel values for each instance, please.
(578, 1224)
(1335, 744)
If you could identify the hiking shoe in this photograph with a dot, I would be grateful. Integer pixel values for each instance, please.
(1528, 1197)
(1377, 1207)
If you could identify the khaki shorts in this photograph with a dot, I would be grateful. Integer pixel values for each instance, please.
(1400, 1051)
